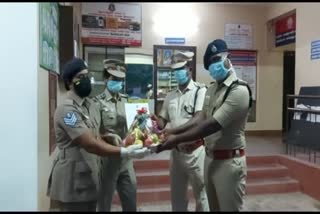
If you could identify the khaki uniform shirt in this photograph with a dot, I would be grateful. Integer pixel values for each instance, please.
(113, 120)
(231, 115)
(178, 103)
(74, 175)
(112, 113)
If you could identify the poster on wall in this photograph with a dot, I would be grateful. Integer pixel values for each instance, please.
(52, 108)
(49, 36)
(238, 36)
(111, 24)
(286, 30)
(245, 65)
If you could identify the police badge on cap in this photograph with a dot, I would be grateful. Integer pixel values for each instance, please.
(215, 47)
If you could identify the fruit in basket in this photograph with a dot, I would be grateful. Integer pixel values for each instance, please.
(148, 141)
(129, 140)
(138, 142)
(138, 133)
(155, 138)
(145, 133)
(162, 136)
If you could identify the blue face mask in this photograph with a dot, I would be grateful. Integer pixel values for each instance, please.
(181, 76)
(218, 71)
(114, 86)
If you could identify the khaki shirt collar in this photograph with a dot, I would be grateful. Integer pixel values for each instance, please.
(72, 95)
(190, 86)
(110, 97)
(232, 77)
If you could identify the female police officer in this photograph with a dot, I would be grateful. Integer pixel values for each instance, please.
(73, 181)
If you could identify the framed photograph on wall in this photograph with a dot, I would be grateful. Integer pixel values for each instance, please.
(167, 57)
(49, 36)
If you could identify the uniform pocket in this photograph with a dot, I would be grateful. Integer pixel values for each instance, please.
(83, 176)
(172, 110)
(187, 110)
(240, 166)
(109, 118)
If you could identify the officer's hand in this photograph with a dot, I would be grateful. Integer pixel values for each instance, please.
(166, 132)
(168, 143)
(135, 151)
(113, 139)
(140, 153)
(154, 117)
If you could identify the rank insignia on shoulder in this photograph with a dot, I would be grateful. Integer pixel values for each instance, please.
(70, 119)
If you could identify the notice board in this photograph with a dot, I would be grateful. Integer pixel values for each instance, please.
(245, 65)
(107, 23)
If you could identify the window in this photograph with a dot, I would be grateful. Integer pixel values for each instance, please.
(139, 75)
(94, 56)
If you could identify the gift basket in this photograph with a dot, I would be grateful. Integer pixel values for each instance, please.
(141, 133)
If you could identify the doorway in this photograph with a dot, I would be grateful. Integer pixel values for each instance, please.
(288, 85)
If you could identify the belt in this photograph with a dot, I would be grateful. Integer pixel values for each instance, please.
(225, 154)
(72, 153)
(190, 147)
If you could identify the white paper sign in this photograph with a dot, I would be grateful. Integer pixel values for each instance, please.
(248, 74)
(238, 36)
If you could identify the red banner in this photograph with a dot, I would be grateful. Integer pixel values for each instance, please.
(286, 30)
(244, 58)
(286, 24)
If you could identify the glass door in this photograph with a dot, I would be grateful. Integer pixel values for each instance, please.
(94, 56)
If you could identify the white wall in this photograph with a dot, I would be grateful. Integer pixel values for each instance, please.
(212, 18)
(307, 14)
(18, 130)
(307, 70)
(44, 160)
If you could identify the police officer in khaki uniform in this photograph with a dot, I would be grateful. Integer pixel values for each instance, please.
(222, 123)
(186, 160)
(149, 94)
(74, 179)
(116, 173)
